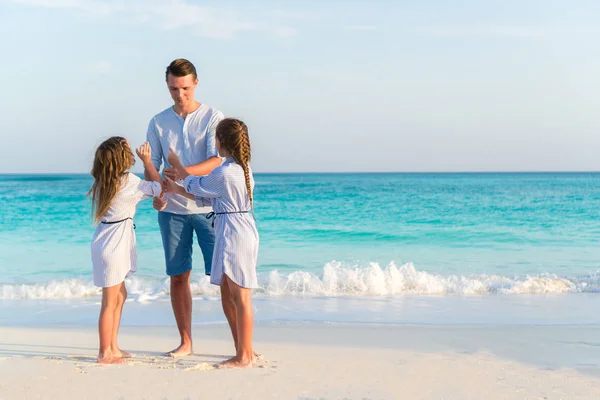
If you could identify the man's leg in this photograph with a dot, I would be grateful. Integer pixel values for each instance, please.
(181, 300)
(206, 239)
(177, 235)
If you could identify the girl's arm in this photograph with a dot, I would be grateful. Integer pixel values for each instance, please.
(206, 187)
(145, 154)
(153, 187)
(200, 188)
(212, 155)
(173, 187)
(175, 162)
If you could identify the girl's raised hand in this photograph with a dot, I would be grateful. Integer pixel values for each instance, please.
(173, 158)
(144, 153)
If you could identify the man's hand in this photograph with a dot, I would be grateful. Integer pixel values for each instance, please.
(159, 203)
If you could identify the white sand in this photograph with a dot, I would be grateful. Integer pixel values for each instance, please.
(300, 362)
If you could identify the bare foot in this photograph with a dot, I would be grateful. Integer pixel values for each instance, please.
(236, 362)
(109, 360)
(256, 356)
(181, 351)
(122, 354)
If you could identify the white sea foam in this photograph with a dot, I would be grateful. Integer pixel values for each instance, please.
(335, 279)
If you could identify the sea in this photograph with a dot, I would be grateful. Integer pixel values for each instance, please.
(441, 248)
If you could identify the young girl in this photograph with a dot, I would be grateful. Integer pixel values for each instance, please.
(115, 194)
(229, 188)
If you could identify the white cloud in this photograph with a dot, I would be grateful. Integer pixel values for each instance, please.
(284, 31)
(491, 31)
(360, 27)
(170, 15)
(203, 21)
(90, 6)
(293, 14)
(100, 67)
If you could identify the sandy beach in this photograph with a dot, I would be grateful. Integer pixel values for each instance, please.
(407, 191)
(309, 361)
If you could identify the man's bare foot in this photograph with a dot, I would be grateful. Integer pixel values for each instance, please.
(106, 359)
(236, 362)
(122, 354)
(182, 351)
(256, 356)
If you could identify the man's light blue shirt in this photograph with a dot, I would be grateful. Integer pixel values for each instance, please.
(192, 138)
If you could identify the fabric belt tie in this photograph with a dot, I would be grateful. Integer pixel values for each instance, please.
(214, 214)
(117, 222)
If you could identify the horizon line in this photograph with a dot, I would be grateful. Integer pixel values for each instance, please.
(350, 172)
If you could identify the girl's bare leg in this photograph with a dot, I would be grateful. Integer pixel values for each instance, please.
(110, 298)
(242, 298)
(117, 352)
(229, 310)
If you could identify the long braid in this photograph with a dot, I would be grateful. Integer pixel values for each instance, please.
(233, 135)
(245, 161)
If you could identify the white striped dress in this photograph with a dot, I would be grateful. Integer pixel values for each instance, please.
(236, 237)
(113, 247)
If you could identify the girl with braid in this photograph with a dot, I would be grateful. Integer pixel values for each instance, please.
(229, 190)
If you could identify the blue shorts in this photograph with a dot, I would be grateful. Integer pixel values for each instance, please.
(177, 233)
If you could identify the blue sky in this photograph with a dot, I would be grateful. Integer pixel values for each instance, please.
(323, 85)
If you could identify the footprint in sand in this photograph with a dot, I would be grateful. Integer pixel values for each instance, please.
(200, 367)
(57, 360)
(83, 358)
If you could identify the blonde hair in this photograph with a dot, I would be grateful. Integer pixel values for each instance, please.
(233, 135)
(112, 161)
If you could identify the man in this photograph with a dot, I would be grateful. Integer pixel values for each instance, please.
(189, 128)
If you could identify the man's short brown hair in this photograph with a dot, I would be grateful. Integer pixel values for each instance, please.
(181, 67)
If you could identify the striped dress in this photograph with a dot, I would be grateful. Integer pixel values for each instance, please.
(113, 246)
(236, 237)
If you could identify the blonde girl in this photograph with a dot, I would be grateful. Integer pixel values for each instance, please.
(115, 194)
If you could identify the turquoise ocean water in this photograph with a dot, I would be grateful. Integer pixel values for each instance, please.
(331, 236)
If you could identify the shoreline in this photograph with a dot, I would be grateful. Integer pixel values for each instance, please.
(484, 310)
(310, 361)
